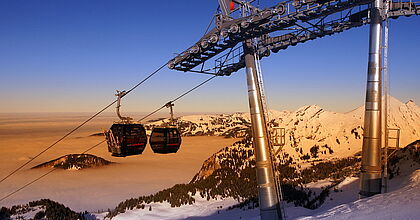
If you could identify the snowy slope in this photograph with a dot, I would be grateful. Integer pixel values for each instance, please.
(163, 211)
(402, 202)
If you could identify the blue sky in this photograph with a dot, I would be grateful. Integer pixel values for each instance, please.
(71, 56)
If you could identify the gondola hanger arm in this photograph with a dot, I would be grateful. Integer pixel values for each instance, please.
(170, 105)
(119, 95)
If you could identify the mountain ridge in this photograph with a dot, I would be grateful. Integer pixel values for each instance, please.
(307, 128)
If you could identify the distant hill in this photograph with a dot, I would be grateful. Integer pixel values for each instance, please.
(42, 209)
(75, 162)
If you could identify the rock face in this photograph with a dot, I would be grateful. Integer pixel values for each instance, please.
(75, 162)
(208, 167)
(405, 161)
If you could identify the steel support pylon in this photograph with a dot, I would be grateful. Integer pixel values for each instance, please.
(267, 192)
(370, 179)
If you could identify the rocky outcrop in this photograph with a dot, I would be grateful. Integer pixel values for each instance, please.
(404, 161)
(75, 162)
(208, 167)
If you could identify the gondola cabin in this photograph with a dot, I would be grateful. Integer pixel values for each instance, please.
(126, 139)
(165, 140)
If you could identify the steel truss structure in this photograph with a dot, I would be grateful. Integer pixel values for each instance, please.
(290, 23)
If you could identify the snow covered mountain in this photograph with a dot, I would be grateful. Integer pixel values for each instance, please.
(309, 129)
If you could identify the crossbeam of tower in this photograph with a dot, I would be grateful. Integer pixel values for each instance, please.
(285, 24)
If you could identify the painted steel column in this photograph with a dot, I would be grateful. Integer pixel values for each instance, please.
(370, 180)
(267, 193)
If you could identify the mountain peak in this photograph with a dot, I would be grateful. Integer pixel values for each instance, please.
(410, 102)
(396, 102)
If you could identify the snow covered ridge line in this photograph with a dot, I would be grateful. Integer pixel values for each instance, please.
(311, 132)
(227, 125)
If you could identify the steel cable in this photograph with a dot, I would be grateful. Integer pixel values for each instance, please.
(99, 112)
(79, 126)
(42, 176)
(194, 88)
(179, 97)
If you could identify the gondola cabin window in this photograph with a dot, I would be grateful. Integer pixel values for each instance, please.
(165, 140)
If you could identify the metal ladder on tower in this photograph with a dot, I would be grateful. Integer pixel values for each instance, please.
(270, 140)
